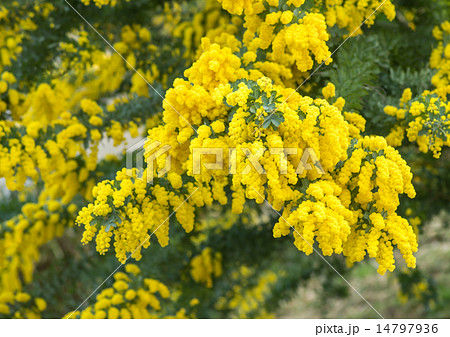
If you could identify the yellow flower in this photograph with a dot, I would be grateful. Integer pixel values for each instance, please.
(113, 313)
(120, 285)
(4, 309)
(286, 17)
(204, 266)
(117, 299)
(3, 87)
(23, 297)
(132, 268)
(194, 302)
(130, 294)
(329, 91)
(96, 121)
(40, 303)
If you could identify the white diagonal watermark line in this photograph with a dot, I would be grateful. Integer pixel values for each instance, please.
(320, 66)
(323, 258)
(123, 58)
(122, 264)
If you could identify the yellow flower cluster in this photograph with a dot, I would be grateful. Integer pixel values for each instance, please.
(355, 214)
(9, 97)
(289, 39)
(416, 287)
(20, 305)
(11, 38)
(52, 131)
(101, 3)
(409, 16)
(329, 91)
(52, 161)
(235, 135)
(307, 36)
(205, 266)
(79, 58)
(244, 299)
(50, 134)
(214, 67)
(12, 32)
(135, 39)
(290, 43)
(357, 123)
(383, 177)
(222, 223)
(133, 225)
(238, 7)
(211, 21)
(45, 141)
(130, 297)
(440, 56)
(21, 238)
(325, 218)
(424, 120)
(350, 14)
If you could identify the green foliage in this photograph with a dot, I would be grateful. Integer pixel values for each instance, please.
(355, 70)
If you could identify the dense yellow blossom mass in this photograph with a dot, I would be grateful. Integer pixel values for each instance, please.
(124, 301)
(205, 266)
(348, 206)
(351, 14)
(425, 119)
(21, 305)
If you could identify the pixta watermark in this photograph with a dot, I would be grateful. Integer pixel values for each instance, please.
(143, 156)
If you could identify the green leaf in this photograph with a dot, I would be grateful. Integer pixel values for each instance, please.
(95, 222)
(266, 123)
(108, 227)
(250, 118)
(265, 99)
